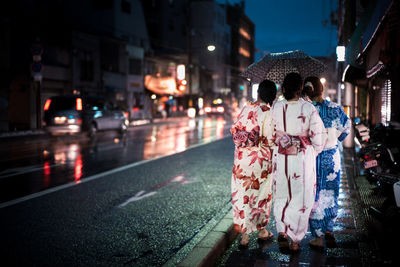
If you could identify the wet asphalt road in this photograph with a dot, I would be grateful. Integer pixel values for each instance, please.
(32, 164)
(140, 215)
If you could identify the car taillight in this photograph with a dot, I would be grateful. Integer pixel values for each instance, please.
(368, 157)
(220, 109)
(207, 109)
(47, 104)
(79, 103)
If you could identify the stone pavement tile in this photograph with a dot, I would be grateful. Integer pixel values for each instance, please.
(223, 225)
(196, 257)
(211, 239)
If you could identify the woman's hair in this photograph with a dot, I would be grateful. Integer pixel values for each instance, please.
(267, 91)
(317, 87)
(292, 85)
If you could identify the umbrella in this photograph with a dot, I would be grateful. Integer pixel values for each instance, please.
(274, 66)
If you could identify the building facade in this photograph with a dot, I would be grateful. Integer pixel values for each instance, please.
(370, 75)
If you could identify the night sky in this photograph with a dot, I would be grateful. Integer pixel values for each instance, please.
(286, 25)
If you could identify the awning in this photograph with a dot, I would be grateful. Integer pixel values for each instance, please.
(351, 74)
(381, 9)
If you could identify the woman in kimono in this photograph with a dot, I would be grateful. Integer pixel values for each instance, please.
(338, 125)
(299, 135)
(251, 175)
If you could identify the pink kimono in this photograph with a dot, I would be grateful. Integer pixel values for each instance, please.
(300, 135)
(251, 177)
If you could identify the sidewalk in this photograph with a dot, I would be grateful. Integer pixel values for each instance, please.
(362, 240)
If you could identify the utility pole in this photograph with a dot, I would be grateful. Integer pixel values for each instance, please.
(189, 51)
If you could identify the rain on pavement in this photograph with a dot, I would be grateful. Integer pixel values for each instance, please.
(30, 165)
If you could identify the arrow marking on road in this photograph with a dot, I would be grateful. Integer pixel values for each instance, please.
(139, 195)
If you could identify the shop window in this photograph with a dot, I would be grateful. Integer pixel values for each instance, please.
(386, 97)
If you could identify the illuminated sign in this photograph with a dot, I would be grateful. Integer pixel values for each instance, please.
(341, 53)
(180, 69)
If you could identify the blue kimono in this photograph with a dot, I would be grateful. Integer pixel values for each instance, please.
(324, 211)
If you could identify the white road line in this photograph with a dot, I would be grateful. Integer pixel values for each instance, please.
(23, 170)
(137, 197)
(93, 177)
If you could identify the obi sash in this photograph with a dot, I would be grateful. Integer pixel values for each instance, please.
(291, 144)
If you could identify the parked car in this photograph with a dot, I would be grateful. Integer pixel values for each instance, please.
(76, 114)
(215, 109)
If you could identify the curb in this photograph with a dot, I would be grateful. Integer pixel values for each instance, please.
(213, 245)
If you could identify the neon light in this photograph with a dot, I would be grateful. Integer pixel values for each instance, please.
(47, 104)
(180, 69)
(78, 167)
(79, 103)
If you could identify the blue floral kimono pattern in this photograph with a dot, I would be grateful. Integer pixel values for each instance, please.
(324, 212)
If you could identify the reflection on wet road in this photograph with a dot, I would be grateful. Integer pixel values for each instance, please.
(32, 165)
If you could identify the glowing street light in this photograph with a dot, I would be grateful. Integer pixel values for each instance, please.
(211, 48)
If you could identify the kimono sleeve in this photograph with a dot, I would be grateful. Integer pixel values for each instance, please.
(317, 131)
(268, 129)
(343, 125)
(237, 125)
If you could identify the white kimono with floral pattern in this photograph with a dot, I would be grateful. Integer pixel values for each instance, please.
(251, 177)
(294, 176)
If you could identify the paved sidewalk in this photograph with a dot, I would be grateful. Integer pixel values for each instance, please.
(358, 235)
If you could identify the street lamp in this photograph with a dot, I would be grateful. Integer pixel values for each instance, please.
(211, 48)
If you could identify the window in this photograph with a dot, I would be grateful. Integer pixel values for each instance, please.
(135, 66)
(87, 67)
(109, 56)
(244, 33)
(125, 6)
(386, 97)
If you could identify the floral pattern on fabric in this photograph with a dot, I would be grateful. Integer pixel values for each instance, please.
(325, 207)
(294, 175)
(251, 173)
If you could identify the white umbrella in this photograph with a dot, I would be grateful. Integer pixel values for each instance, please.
(274, 66)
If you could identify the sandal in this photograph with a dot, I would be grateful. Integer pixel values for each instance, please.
(244, 243)
(269, 235)
(330, 240)
(283, 240)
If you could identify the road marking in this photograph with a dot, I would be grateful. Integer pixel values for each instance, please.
(180, 179)
(94, 177)
(137, 197)
(23, 170)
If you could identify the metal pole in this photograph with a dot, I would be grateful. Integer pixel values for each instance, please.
(190, 83)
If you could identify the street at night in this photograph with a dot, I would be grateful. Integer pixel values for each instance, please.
(139, 215)
(32, 164)
(197, 133)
